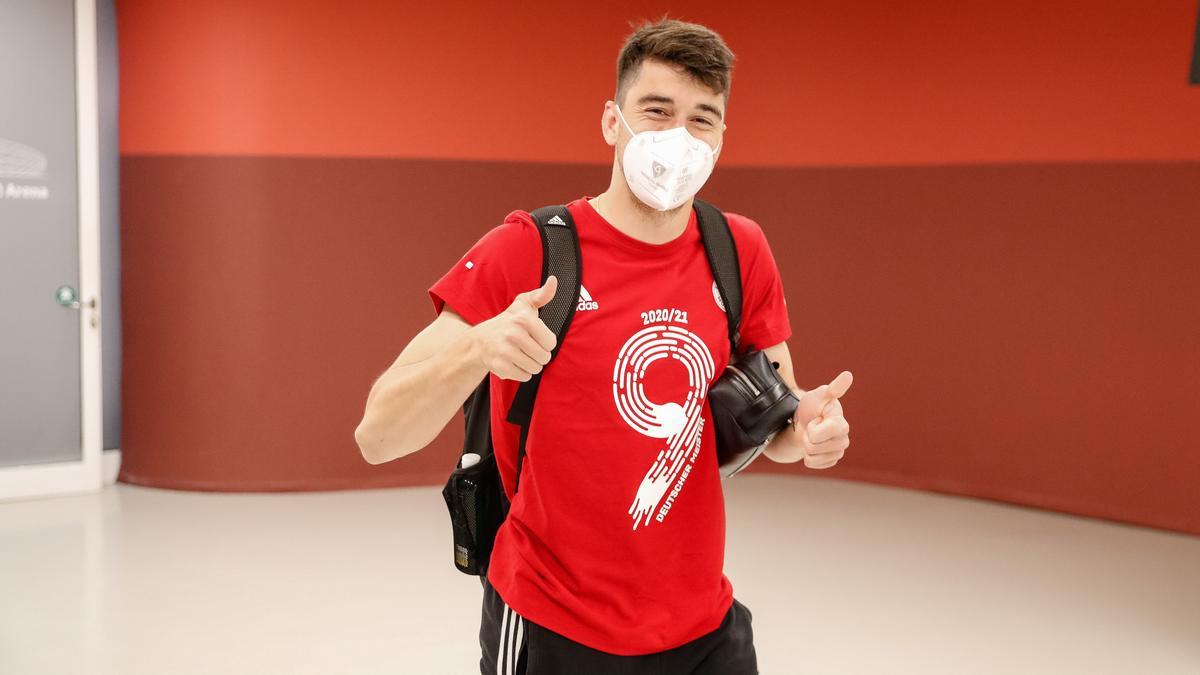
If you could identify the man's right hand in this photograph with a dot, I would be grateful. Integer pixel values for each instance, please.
(515, 343)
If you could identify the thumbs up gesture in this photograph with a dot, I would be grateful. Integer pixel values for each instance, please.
(516, 343)
(823, 431)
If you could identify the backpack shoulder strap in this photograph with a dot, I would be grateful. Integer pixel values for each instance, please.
(560, 257)
(723, 260)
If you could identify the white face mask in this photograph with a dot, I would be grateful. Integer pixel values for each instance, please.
(665, 168)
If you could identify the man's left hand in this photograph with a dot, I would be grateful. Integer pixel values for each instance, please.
(819, 426)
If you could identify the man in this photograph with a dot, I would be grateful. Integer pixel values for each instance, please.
(611, 558)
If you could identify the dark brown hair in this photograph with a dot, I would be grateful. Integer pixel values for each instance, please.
(701, 52)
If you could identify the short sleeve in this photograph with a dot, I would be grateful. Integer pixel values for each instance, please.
(764, 311)
(506, 261)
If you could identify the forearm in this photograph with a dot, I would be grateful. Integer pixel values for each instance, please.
(410, 404)
(784, 447)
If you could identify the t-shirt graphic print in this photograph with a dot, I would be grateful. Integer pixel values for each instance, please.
(679, 423)
(616, 539)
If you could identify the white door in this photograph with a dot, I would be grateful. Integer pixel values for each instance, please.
(50, 380)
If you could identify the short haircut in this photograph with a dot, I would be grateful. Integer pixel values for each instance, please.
(700, 51)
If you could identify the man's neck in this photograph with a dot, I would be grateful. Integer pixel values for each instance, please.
(624, 211)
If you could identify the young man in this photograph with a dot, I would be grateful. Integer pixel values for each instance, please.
(611, 557)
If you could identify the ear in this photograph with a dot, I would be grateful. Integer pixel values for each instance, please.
(609, 123)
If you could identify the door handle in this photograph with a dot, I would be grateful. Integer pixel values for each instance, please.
(66, 296)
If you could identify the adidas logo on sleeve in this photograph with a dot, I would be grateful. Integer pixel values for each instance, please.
(585, 301)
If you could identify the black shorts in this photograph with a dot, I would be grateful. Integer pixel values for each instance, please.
(513, 645)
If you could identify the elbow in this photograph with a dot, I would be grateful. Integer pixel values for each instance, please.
(375, 446)
(365, 445)
(381, 445)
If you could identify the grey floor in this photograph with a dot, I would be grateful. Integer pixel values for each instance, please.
(841, 577)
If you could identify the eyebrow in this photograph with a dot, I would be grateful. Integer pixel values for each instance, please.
(659, 98)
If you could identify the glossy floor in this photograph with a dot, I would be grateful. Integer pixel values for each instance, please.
(841, 577)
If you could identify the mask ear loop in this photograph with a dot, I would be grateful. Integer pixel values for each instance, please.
(622, 118)
(720, 144)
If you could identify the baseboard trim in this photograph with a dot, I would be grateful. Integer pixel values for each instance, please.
(110, 466)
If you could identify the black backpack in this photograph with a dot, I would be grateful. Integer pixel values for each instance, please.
(474, 494)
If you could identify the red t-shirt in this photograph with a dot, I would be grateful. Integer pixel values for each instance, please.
(616, 539)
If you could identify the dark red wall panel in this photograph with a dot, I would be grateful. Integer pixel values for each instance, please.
(1024, 333)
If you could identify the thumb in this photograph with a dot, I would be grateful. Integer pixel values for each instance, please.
(540, 296)
(840, 384)
(812, 404)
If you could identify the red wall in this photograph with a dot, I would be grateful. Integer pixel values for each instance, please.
(817, 83)
(1001, 205)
